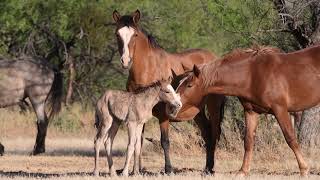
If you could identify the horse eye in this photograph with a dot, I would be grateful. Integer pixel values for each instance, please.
(189, 85)
(135, 35)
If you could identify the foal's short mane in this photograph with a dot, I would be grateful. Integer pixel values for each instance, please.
(209, 71)
(145, 88)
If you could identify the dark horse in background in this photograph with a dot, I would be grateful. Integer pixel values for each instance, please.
(149, 63)
(265, 81)
(27, 78)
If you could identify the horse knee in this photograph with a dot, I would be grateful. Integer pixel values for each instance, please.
(165, 143)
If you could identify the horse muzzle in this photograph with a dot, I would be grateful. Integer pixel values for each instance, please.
(172, 110)
(125, 62)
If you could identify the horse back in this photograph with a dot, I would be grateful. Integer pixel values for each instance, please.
(22, 78)
(292, 77)
(191, 57)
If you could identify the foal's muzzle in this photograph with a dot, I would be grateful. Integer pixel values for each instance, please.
(172, 110)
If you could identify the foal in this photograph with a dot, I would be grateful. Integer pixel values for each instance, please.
(134, 109)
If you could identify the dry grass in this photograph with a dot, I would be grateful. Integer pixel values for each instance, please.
(70, 153)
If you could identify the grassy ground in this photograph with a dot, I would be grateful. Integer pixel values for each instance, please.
(70, 152)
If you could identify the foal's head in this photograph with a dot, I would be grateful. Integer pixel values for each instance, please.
(168, 95)
(129, 36)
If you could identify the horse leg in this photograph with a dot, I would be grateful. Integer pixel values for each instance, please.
(102, 134)
(1, 149)
(251, 121)
(160, 112)
(283, 118)
(42, 125)
(204, 126)
(140, 157)
(132, 126)
(137, 151)
(165, 144)
(211, 129)
(108, 146)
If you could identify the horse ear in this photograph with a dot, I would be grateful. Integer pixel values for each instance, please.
(116, 15)
(174, 75)
(136, 16)
(196, 70)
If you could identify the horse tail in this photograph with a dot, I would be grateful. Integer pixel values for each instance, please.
(97, 120)
(222, 109)
(55, 95)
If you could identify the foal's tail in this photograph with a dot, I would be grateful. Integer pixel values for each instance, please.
(97, 120)
(55, 95)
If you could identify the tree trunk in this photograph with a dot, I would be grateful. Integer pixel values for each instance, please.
(309, 131)
(71, 79)
(310, 127)
(306, 34)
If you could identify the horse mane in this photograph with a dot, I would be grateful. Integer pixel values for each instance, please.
(127, 20)
(255, 50)
(145, 88)
(151, 39)
(209, 70)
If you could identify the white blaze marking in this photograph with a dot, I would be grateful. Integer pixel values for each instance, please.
(126, 34)
(176, 96)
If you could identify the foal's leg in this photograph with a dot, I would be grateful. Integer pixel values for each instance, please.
(42, 125)
(132, 126)
(137, 149)
(108, 145)
(283, 118)
(251, 120)
(102, 133)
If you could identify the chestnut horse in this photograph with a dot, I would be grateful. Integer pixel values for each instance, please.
(148, 63)
(265, 82)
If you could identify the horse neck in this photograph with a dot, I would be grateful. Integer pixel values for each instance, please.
(229, 79)
(149, 97)
(149, 65)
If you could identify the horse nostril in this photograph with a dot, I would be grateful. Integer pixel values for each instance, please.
(121, 60)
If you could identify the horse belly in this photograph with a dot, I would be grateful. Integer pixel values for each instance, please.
(11, 90)
(305, 95)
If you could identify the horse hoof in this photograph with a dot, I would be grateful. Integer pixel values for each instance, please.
(241, 174)
(96, 173)
(125, 174)
(304, 173)
(38, 151)
(208, 172)
(168, 170)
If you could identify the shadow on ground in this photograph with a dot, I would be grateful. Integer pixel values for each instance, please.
(68, 152)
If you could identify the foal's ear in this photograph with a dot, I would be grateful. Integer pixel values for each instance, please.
(136, 16)
(116, 15)
(196, 70)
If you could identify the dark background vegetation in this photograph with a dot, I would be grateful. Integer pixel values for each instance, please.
(77, 36)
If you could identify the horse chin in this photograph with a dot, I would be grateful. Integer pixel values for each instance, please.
(172, 111)
(127, 66)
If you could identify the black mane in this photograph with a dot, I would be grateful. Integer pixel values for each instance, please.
(127, 20)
